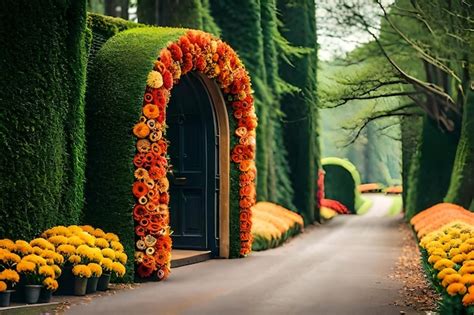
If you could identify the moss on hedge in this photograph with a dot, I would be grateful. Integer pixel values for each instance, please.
(341, 182)
(42, 115)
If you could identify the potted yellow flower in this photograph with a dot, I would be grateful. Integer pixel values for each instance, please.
(33, 270)
(4, 295)
(81, 274)
(96, 271)
(50, 285)
(104, 280)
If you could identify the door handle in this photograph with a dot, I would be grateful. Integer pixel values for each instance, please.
(180, 180)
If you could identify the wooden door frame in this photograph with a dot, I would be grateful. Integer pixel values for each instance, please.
(222, 119)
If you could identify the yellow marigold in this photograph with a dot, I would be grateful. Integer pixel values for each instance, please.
(46, 271)
(109, 253)
(57, 271)
(468, 299)
(118, 268)
(38, 260)
(439, 252)
(121, 257)
(102, 243)
(116, 246)
(23, 247)
(66, 250)
(456, 288)
(454, 251)
(58, 230)
(58, 240)
(9, 275)
(467, 279)
(466, 269)
(37, 250)
(107, 264)
(75, 240)
(26, 267)
(81, 271)
(443, 263)
(434, 258)
(3, 286)
(448, 279)
(7, 244)
(42, 243)
(74, 259)
(445, 272)
(155, 79)
(459, 258)
(96, 255)
(87, 238)
(50, 284)
(96, 269)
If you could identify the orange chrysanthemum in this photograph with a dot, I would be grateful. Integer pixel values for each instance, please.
(151, 111)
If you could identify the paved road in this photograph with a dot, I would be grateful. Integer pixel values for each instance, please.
(341, 267)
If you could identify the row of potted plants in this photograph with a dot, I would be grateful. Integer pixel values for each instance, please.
(67, 260)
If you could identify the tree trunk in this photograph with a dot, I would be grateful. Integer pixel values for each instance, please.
(461, 189)
(410, 130)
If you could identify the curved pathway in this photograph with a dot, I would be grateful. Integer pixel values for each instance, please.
(341, 267)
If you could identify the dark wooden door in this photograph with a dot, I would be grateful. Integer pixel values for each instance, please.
(192, 133)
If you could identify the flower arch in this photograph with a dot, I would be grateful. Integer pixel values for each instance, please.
(201, 52)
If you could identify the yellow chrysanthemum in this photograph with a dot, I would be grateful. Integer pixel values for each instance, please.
(37, 250)
(75, 229)
(466, 269)
(37, 260)
(3, 286)
(107, 264)
(467, 279)
(448, 279)
(459, 258)
(87, 228)
(121, 257)
(81, 271)
(445, 272)
(50, 284)
(467, 263)
(75, 241)
(102, 243)
(439, 252)
(7, 244)
(9, 259)
(468, 299)
(9, 275)
(98, 233)
(434, 258)
(58, 240)
(116, 246)
(118, 268)
(96, 269)
(466, 247)
(443, 263)
(74, 259)
(109, 253)
(464, 236)
(454, 251)
(25, 266)
(42, 243)
(87, 238)
(66, 250)
(155, 79)
(23, 247)
(46, 271)
(111, 237)
(57, 271)
(456, 288)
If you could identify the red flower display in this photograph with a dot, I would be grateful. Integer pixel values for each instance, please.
(194, 51)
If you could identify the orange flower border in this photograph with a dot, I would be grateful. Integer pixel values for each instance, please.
(194, 51)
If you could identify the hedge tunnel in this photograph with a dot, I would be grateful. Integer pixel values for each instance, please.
(341, 183)
(130, 73)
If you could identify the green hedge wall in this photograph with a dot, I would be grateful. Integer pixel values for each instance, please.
(341, 181)
(114, 98)
(301, 123)
(43, 67)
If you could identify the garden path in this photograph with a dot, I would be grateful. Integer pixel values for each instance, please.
(341, 267)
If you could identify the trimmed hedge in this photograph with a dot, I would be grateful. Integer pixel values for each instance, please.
(114, 98)
(341, 183)
(43, 66)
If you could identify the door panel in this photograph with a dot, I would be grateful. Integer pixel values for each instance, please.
(193, 154)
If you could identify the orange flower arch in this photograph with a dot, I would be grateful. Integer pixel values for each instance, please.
(194, 51)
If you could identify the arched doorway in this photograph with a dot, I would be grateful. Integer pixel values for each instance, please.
(193, 132)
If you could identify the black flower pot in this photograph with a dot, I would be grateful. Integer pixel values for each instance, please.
(66, 282)
(80, 286)
(17, 295)
(92, 285)
(32, 293)
(5, 297)
(104, 281)
(45, 296)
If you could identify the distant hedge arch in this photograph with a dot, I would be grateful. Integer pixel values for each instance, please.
(341, 182)
(119, 102)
